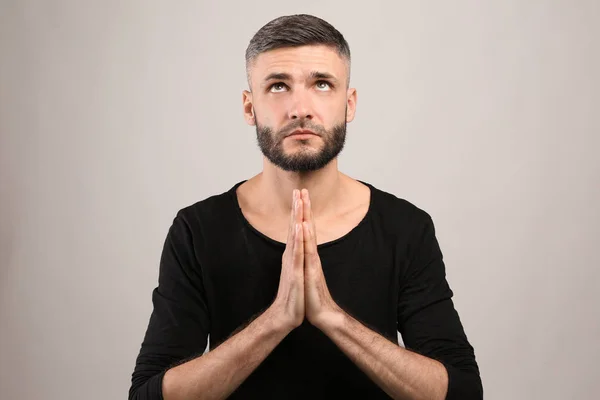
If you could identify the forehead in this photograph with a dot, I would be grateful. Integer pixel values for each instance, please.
(300, 60)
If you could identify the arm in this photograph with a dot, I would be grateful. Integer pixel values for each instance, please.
(216, 374)
(179, 325)
(427, 319)
(401, 373)
(438, 362)
(178, 331)
(171, 364)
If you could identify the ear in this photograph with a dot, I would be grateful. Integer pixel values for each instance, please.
(351, 109)
(248, 108)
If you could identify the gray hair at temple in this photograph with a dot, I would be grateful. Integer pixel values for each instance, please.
(294, 31)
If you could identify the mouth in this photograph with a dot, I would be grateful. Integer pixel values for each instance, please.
(302, 132)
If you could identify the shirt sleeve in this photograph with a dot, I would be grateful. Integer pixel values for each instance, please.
(179, 324)
(427, 319)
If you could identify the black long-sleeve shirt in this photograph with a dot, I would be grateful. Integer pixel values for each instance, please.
(217, 272)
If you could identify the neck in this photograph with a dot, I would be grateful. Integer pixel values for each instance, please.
(324, 187)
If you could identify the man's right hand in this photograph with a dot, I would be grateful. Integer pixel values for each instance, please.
(289, 302)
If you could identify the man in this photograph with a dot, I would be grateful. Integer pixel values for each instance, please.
(301, 275)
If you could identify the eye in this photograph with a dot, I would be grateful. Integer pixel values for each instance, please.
(323, 85)
(277, 87)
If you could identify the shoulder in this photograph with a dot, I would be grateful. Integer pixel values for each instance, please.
(397, 214)
(407, 224)
(214, 211)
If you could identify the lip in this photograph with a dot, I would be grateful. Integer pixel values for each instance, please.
(301, 133)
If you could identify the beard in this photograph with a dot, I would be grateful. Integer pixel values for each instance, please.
(305, 157)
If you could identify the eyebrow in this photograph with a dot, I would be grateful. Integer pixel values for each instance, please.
(282, 76)
(322, 75)
(278, 76)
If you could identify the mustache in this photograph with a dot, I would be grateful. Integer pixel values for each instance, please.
(302, 124)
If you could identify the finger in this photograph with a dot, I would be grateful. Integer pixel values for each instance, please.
(297, 217)
(308, 215)
(305, 202)
(299, 210)
(299, 247)
(291, 233)
(310, 245)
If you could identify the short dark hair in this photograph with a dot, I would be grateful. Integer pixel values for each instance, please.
(294, 31)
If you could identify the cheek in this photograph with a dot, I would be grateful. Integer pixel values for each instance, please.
(272, 112)
(332, 112)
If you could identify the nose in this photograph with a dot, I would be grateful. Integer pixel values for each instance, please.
(301, 106)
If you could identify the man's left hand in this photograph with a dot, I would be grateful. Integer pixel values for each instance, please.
(320, 307)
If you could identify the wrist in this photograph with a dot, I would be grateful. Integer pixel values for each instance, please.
(278, 321)
(330, 320)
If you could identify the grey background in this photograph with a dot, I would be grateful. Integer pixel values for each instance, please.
(115, 114)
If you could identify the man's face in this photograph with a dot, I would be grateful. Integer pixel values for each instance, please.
(300, 88)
